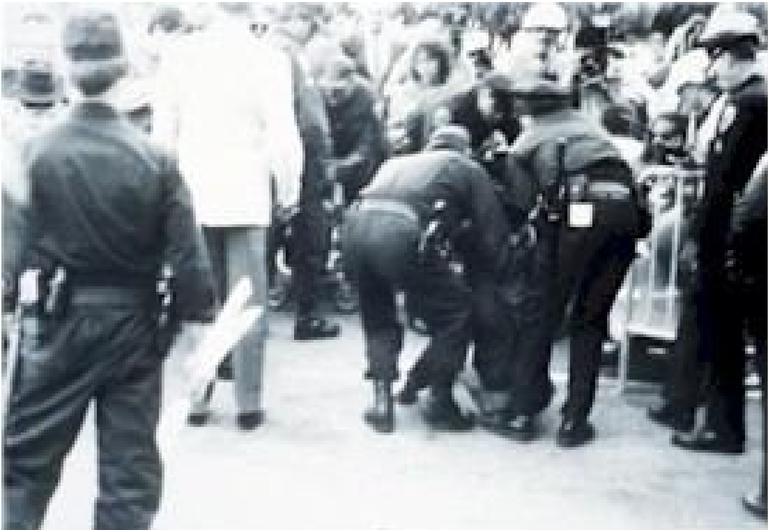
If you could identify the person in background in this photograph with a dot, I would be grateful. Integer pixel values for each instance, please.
(235, 133)
(106, 211)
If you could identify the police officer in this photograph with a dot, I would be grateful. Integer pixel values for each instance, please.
(105, 211)
(748, 242)
(393, 241)
(297, 25)
(731, 39)
(564, 168)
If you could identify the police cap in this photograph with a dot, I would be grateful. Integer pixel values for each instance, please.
(93, 35)
(729, 28)
(545, 16)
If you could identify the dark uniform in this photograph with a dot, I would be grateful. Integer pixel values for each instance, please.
(382, 238)
(358, 139)
(740, 140)
(108, 209)
(311, 225)
(749, 228)
(578, 265)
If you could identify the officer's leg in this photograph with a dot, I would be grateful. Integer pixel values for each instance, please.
(725, 407)
(589, 322)
(446, 301)
(45, 413)
(311, 244)
(684, 372)
(492, 332)
(127, 414)
(246, 257)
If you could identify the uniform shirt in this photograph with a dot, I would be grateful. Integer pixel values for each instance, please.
(225, 104)
(421, 179)
(740, 140)
(110, 208)
(532, 162)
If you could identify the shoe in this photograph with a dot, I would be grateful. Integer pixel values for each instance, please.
(755, 504)
(671, 417)
(198, 419)
(248, 421)
(381, 414)
(224, 371)
(707, 440)
(518, 427)
(574, 433)
(442, 413)
(315, 328)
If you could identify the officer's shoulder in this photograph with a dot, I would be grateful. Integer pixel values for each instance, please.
(163, 158)
(753, 95)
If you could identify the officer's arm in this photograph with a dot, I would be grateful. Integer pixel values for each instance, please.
(488, 215)
(752, 204)
(745, 142)
(368, 147)
(185, 251)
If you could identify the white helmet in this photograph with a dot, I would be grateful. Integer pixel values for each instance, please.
(545, 16)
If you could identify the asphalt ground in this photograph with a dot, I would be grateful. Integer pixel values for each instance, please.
(314, 465)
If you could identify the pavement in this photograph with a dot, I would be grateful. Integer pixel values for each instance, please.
(314, 465)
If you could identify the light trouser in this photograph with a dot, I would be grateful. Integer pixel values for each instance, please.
(238, 252)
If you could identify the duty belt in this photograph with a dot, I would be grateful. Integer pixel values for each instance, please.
(390, 206)
(111, 296)
(608, 191)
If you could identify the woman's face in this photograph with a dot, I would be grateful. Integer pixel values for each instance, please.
(427, 67)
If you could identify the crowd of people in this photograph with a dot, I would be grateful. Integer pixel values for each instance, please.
(490, 162)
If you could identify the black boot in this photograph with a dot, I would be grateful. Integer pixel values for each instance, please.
(442, 413)
(313, 328)
(381, 414)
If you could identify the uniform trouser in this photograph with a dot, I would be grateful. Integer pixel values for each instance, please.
(687, 370)
(593, 264)
(381, 258)
(311, 239)
(238, 252)
(734, 310)
(105, 355)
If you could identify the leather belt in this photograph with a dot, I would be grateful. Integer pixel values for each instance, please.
(111, 296)
(608, 191)
(390, 206)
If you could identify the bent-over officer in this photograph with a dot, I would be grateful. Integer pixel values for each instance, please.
(395, 238)
(106, 211)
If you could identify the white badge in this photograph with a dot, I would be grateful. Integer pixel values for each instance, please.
(581, 214)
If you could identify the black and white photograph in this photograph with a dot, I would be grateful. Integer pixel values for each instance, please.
(384, 265)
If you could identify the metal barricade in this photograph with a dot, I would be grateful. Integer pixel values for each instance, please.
(651, 292)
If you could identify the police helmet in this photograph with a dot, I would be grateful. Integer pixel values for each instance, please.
(728, 27)
(546, 17)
